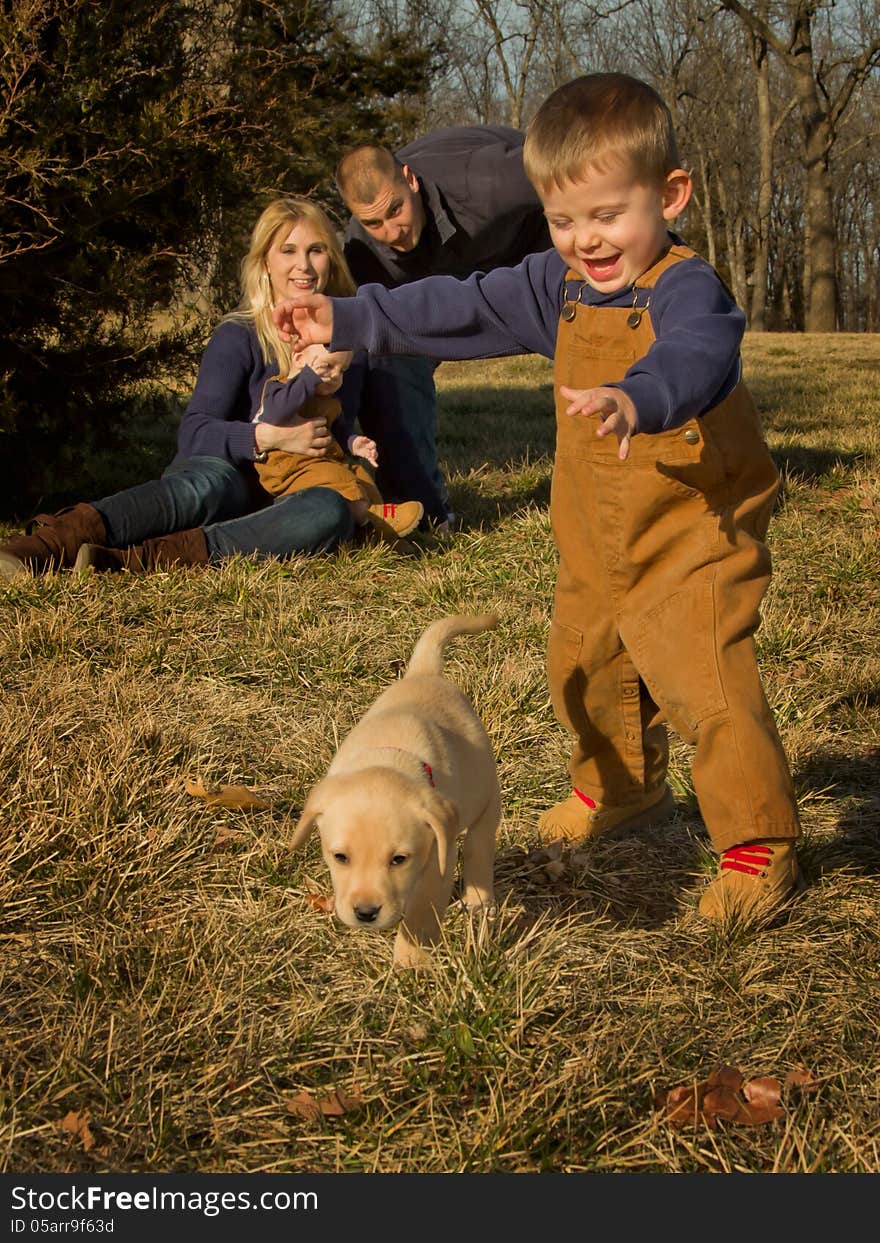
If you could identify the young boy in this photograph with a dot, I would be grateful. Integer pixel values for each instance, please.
(662, 488)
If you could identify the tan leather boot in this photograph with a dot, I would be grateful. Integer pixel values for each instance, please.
(181, 548)
(393, 521)
(51, 541)
(753, 880)
(578, 817)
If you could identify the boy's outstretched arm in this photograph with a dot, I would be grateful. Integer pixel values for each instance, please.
(614, 407)
(488, 315)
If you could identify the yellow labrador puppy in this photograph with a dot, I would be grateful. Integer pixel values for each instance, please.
(414, 774)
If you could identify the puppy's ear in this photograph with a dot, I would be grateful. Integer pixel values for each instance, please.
(442, 817)
(309, 817)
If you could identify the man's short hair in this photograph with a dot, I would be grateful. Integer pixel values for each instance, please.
(598, 119)
(364, 172)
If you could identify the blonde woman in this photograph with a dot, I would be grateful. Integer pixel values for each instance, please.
(209, 503)
(304, 257)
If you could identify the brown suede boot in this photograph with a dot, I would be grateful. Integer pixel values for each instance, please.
(753, 880)
(181, 548)
(578, 818)
(51, 541)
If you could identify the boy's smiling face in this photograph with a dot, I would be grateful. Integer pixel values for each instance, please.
(608, 226)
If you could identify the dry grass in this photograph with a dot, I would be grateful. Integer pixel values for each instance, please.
(161, 968)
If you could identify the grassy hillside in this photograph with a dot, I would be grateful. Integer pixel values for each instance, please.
(169, 988)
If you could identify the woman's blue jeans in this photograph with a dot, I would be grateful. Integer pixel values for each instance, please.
(210, 492)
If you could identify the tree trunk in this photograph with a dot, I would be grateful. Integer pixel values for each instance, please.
(758, 319)
(820, 115)
(822, 307)
(711, 245)
(821, 315)
(733, 237)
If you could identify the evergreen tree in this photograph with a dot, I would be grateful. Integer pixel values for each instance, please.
(138, 141)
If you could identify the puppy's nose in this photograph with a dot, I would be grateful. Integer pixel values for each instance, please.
(366, 914)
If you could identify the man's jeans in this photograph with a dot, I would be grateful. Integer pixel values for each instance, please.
(397, 407)
(210, 492)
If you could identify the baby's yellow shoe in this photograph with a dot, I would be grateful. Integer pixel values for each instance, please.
(578, 817)
(394, 521)
(753, 880)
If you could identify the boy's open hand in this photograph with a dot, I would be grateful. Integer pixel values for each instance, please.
(616, 410)
(308, 316)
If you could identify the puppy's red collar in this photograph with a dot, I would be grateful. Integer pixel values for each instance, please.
(426, 768)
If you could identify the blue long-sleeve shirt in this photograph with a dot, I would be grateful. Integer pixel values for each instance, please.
(228, 392)
(693, 364)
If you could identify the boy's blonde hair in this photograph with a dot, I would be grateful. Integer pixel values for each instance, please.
(257, 298)
(597, 119)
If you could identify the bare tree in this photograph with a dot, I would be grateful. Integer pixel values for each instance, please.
(496, 59)
(825, 88)
(857, 219)
(770, 122)
(771, 99)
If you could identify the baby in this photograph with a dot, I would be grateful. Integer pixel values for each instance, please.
(282, 473)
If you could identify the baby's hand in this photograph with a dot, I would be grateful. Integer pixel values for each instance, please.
(314, 356)
(327, 365)
(362, 446)
(617, 411)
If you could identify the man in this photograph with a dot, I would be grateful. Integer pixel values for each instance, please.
(454, 202)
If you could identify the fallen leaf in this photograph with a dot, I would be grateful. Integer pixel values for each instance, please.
(334, 1104)
(198, 788)
(764, 1097)
(78, 1124)
(763, 1092)
(304, 1105)
(224, 834)
(683, 1104)
(339, 1103)
(725, 1095)
(322, 902)
(235, 796)
(727, 1076)
(803, 1080)
(723, 1103)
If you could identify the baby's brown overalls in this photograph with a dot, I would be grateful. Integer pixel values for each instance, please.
(662, 569)
(283, 473)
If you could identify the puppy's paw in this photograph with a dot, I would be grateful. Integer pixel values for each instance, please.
(411, 957)
(480, 902)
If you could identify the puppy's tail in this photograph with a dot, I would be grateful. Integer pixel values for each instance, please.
(427, 657)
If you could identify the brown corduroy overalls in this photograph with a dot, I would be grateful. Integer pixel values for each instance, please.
(283, 473)
(662, 569)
